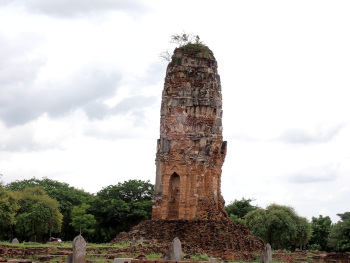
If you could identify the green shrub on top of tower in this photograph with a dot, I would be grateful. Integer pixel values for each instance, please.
(187, 43)
(184, 39)
(191, 44)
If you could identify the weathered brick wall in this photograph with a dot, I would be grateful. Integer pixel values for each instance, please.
(190, 151)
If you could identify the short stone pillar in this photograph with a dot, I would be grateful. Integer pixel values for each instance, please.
(268, 254)
(79, 249)
(15, 241)
(176, 249)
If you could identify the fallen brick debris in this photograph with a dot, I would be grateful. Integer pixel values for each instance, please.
(220, 239)
(337, 257)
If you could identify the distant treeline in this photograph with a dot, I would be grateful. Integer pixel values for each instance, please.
(35, 210)
(281, 227)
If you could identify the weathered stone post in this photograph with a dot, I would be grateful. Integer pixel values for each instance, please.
(15, 241)
(79, 249)
(268, 254)
(176, 249)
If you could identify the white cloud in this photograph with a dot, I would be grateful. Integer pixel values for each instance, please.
(81, 86)
(327, 172)
(77, 8)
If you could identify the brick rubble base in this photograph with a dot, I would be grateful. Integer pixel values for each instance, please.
(220, 239)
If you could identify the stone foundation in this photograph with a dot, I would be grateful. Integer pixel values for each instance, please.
(220, 239)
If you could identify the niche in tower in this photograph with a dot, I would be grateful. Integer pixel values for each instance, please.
(174, 196)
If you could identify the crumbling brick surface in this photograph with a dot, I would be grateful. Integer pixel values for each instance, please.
(191, 150)
(220, 239)
(284, 257)
(337, 257)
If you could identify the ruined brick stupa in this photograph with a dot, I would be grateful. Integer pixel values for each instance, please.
(190, 153)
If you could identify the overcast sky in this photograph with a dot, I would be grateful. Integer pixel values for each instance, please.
(81, 84)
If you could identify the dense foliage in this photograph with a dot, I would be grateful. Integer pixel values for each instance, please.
(279, 226)
(8, 209)
(38, 214)
(321, 227)
(119, 207)
(82, 221)
(67, 197)
(339, 237)
(34, 210)
(239, 208)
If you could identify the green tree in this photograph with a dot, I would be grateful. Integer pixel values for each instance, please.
(239, 208)
(67, 197)
(8, 209)
(256, 222)
(38, 215)
(339, 237)
(119, 207)
(321, 227)
(279, 225)
(303, 234)
(82, 221)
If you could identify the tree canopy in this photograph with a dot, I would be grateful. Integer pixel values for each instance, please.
(339, 237)
(8, 209)
(119, 207)
(67, 197)
(38, 214)
(321, 227)
(33, 210)
(279, 225)
(239, 208)
(82, 221)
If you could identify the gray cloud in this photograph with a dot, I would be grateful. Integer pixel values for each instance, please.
(134, 108)
(76, 8)
(320, 134)
(155, 72)
(133, 103)
(18, 60)
(324, 173)
(85, 90)
(21, 139)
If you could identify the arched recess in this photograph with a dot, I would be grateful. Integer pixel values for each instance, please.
(174, 193)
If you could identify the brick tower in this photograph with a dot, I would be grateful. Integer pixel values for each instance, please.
(191, 150)
(187, 202)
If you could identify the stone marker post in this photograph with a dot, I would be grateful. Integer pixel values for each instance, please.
(268, 254)
(79, 249)
(176, 249)
(15, 241)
